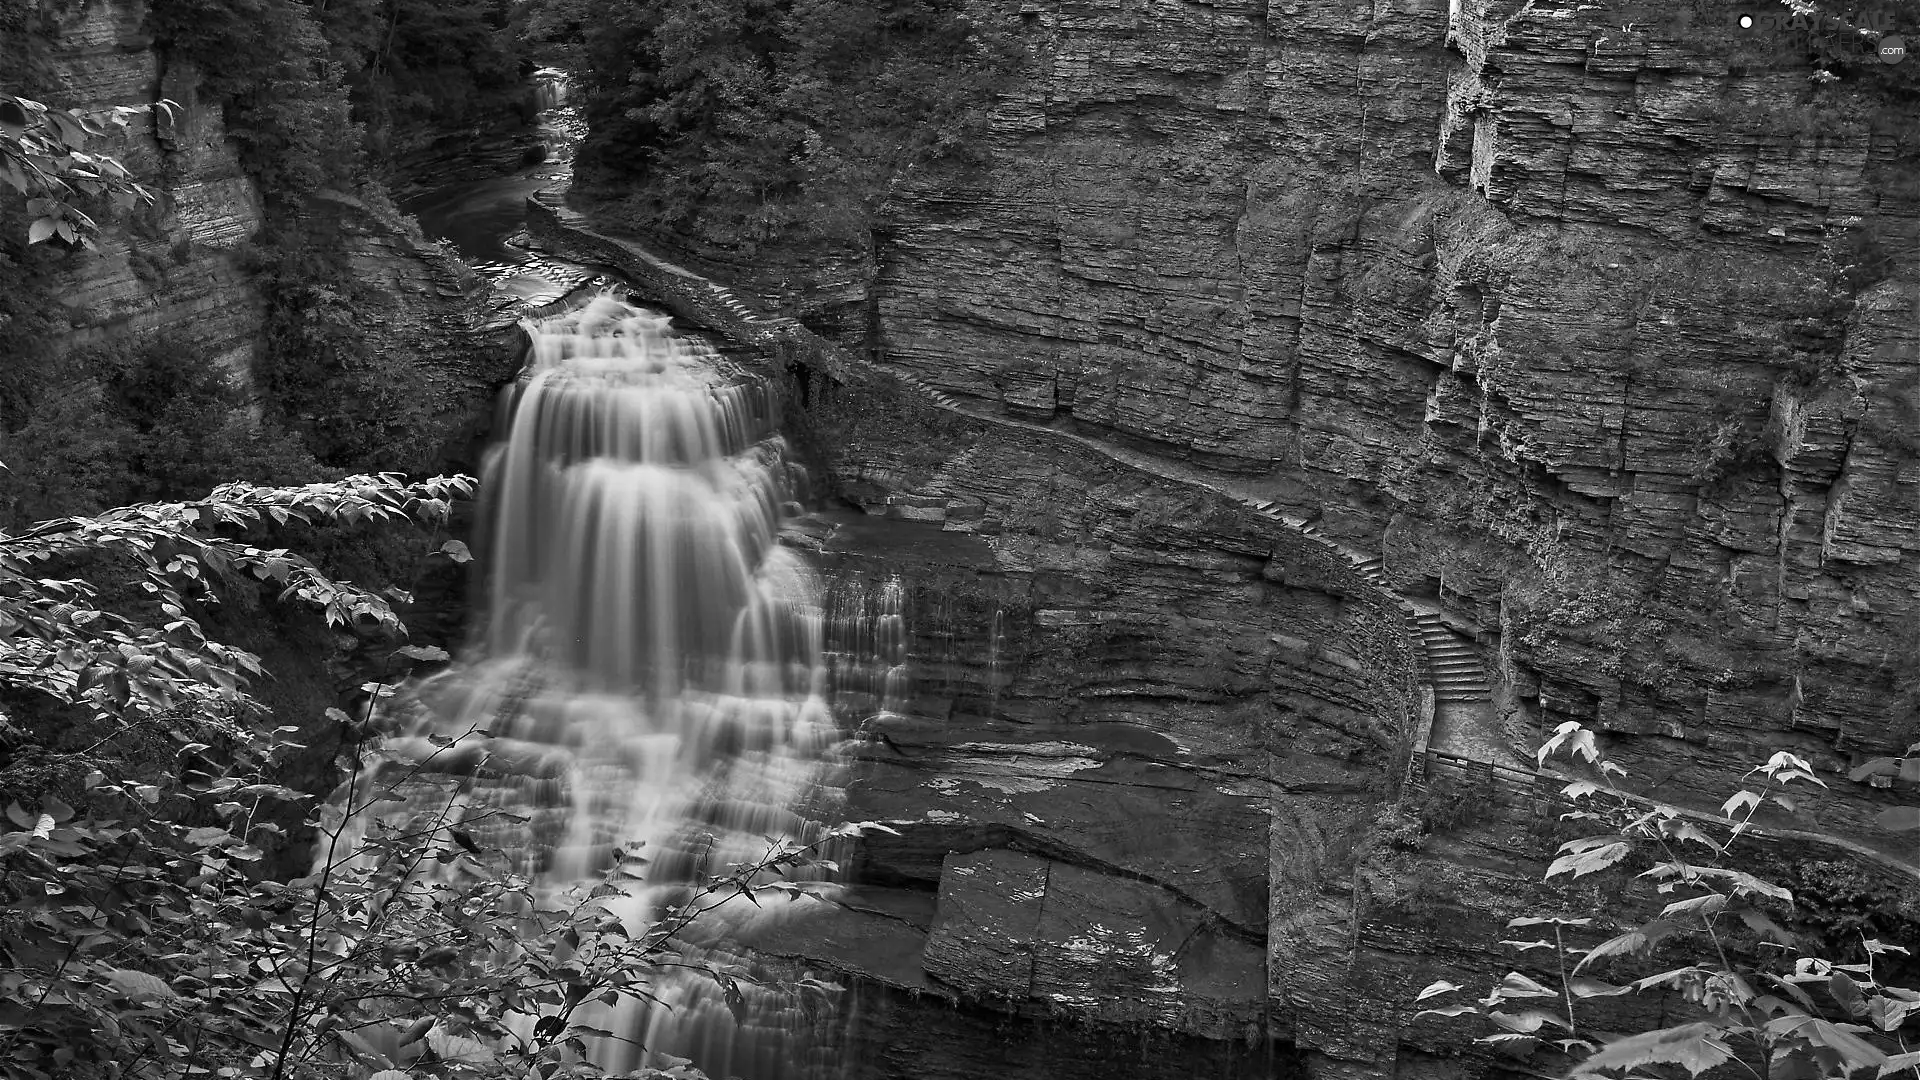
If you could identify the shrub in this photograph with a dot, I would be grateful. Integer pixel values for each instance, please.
(1755, 1005)
(759, 123)
(142, 937)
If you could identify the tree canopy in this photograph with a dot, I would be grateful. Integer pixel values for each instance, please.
(747, 123)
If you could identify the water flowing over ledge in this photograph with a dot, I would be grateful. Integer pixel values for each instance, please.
(651, 688)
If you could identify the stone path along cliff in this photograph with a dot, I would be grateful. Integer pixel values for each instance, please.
(1461, 725)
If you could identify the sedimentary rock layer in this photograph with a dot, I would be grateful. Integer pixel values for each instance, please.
(1598, 323)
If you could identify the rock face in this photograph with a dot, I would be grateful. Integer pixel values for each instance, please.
(1145, 723)
(1151, 776)
(1150, 738)
(177, 267)
(1602, 333)
(445, 337)
(1546, 317)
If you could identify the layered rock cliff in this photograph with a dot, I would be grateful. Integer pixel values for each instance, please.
(180, 267)
(1589, 329)
(1598, 338)
(176, 265)
(1597, 329)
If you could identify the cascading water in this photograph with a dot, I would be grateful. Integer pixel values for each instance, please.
(867, 648)
(653, 657)
(550, 88)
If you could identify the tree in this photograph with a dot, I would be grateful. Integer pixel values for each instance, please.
(753, 123)
(1757, 997)
(43, 157)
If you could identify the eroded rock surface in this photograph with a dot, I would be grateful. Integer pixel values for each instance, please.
(179, 267)
(1548, 318)
(1602, 333)
(1596, 331)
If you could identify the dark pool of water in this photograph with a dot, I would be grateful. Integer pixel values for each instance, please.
(478, 217)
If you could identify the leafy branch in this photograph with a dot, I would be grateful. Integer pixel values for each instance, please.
(156, 666)
(1751, 989)
(43, 157)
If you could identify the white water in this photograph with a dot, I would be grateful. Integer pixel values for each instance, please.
(652, 665)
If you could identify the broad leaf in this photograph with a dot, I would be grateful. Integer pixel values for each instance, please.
(1527, 1021)
(1898, 819)
(1694, 1047)
(1590, 862)
(1586, 987)
(1676, 977)
(460, 1050)
(1633, 941)
(139, 985)
(1447, 1012)
(1516, 985)
(1852, 1051)
(1511, 1043)
(1703, 907)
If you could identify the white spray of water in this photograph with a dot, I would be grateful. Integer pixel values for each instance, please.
(651, 672)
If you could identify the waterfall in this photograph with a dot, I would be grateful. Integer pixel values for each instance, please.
(551, 88)
(867, 647)
(652, 658)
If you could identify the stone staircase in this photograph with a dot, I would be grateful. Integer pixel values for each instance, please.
(1455, 665)
(565, 275)
(732, 303)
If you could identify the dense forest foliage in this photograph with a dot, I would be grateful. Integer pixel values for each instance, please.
(757, 124)
(315, 96)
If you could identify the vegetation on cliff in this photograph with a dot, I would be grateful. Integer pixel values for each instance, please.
(90, 427)
(316, 96)
(302, 87)
(147, 933)
(315, 92)
(44, 159)
(1701, 927)
(754, 125)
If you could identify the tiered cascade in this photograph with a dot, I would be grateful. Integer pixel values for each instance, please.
(651, 677)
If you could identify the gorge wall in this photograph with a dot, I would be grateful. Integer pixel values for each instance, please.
(1600, 335)
(183, 276)
(175, 265)
(180, 268)
(1597, 324)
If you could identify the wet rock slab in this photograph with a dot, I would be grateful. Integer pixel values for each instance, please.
(1093, 803)
(1019, 928)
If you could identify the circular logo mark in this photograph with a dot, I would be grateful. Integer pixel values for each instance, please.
(1893, 49)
